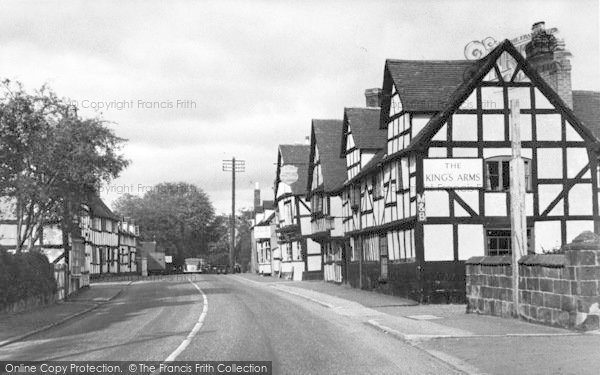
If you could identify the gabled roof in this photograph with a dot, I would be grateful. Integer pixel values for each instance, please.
(586, 105)
(296, 155)
(371, 166)
(267, 220)
(99, 209)
(473, 75)
(325, 136)
(364, 125)
(425, 85)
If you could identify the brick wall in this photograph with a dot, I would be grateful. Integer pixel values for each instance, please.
(555, 289)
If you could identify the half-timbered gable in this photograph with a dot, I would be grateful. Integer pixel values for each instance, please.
(301, 257)
(446, 174)
(326, 175)
(362, 143)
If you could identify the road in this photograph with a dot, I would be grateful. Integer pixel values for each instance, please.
(221, 317)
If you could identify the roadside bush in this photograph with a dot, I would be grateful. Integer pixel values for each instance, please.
(25, 275)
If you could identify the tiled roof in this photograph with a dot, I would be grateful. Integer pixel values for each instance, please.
(474, 75)
(425, 85)
(327, 135)
(267, 205)
(364, 125)
(296, 155)
(586, 105)
(99, 209)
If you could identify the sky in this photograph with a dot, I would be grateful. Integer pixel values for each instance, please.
(192, 83)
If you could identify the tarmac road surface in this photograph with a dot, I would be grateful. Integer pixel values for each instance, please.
(218, 317)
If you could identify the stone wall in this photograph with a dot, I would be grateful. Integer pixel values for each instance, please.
(554, 289)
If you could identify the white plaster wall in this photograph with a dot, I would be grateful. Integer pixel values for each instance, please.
(580, 199)
(546, 194)
(436, 203)
(495, 204)
(493, 127)
(464, 127)
(438, 242)
(548, 127)
(549, 162)
(464, 152)
(314, 263)
(577, 159)
(312, 247)
(418, 123)
(471, 241)
(547, 236)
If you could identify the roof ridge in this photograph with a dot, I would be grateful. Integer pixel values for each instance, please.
(428, 61)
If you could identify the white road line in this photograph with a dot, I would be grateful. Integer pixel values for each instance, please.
(194, 330)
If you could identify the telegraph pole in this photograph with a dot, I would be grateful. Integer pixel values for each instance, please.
(234, 166)
(518, 219)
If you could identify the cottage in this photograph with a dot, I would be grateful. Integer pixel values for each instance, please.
(100, 234)
(128, 243)
(264, 215)
(326, 176)
(442, 187)
(363, 147)
(300, 255)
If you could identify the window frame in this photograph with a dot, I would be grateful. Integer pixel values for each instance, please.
(499, 160)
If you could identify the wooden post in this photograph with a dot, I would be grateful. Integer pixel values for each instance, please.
(518, 220)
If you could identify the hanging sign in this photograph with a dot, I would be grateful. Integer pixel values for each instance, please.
(288, 174)
(452, 173)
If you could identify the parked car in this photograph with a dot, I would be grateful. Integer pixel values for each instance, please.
(194, 265)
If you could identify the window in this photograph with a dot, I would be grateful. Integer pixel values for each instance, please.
(497, 170)
(377, 188)
(288, 218)
(498, 241)
(355, 197)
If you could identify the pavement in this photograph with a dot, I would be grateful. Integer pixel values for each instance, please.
(224, 317)
(449, 334)
(18, 326)
(255, 317)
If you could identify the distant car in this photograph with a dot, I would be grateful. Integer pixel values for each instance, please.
(194, 265)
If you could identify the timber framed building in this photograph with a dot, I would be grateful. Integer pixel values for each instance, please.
(438, 193)
(326, 175)
(300, 255)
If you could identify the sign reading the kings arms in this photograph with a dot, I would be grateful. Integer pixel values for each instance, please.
(452, 173)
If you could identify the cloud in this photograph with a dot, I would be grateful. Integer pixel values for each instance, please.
(256, 71)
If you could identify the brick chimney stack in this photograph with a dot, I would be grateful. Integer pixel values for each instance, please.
(373, 97)
(551, 60)
(256, 196)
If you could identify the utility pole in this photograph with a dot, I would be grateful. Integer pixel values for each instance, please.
(233, 166)
(518, 219)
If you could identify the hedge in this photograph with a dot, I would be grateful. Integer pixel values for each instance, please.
(25, 275)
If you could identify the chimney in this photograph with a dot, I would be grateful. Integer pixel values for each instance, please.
(551, 60)
(373, 97)
(256, 196)
(307, 140)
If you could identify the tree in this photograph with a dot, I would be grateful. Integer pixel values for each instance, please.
(51, 160)
(243, 241)
(177, 215)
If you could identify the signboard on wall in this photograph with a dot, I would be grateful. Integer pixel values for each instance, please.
(421, 216)
(263, 231)
(452, 173)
